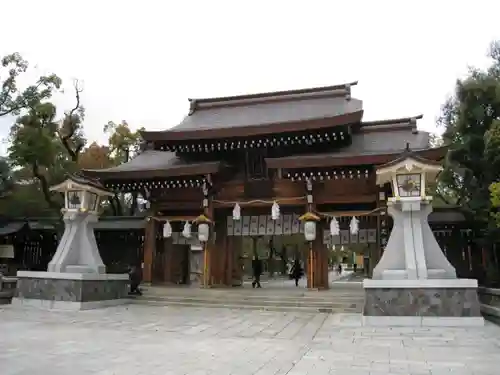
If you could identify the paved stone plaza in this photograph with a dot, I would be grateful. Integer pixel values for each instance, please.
(164, 340)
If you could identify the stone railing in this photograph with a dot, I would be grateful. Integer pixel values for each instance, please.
(490, 303)
(7, 289)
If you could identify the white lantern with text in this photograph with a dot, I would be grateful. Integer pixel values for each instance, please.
(310, 220)
(203, 223)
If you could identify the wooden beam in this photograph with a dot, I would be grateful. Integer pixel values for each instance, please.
(333, 198)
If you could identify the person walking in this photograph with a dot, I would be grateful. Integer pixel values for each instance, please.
(296, 272)
(257, 272)
(339, 269)
(135, 280)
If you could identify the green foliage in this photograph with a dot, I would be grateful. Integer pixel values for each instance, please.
(12, 99)
(470, 120)
(34, 146)
(123, 142)
(6, 179)
(495, 201)
(33, 137)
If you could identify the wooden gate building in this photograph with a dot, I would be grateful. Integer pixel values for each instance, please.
(254, 150)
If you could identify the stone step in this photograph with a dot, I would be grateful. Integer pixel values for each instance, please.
(142, 301)
(263, 301)
(274, 293)
(258, 296)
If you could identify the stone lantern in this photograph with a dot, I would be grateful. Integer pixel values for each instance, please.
(414, 283)
(76, 276)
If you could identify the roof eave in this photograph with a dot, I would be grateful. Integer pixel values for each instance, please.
(333, 160)
(254, 130)
(179, 171)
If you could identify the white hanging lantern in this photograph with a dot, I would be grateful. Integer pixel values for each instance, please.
(167, 230)
(310, 221)
(310, 230)
(275, 211)
(237, 212)
(334, 227)
(203, 223)
(203, 232)
(186, 232)
(333, 246)
(354, 225)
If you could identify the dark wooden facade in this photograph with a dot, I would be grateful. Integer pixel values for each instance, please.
(255, 150)
(121, 243)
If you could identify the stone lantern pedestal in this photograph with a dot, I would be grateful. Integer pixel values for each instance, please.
(76, 277)
(414, 284)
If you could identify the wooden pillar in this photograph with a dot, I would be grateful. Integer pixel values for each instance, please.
(320, 261)
(218, 255)
(208, 211)
(317, 273)
(229, 263)
(382, 226)
(149, 250)
(168, 249)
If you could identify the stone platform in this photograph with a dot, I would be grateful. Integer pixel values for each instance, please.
(145, 340)
(70, 291)
(429, 302)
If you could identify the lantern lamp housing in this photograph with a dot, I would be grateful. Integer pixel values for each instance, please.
(73, 200)
(309, 219)
(408, 176)
(203, 224)
(310, 230)
(81, 194)
(203, 232)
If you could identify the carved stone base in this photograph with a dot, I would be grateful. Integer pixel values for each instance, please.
(421, 302)
(70, 291)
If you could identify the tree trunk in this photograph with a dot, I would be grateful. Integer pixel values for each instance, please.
(45, 186)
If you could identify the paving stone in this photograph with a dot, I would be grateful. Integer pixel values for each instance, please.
(166, 340)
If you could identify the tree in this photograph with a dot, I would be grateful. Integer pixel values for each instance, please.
(6, 180)
(70, 131)
(123, 142)
(95, 157)
(12, 99)
(123, 145)
(470, 120)
(34, 145)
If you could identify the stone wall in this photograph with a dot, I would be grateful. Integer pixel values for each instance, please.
(68, 290)
(490, 303)
(436, 302)
(7, 289)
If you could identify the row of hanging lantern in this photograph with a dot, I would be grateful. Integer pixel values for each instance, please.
(309, 219)
(201, 221)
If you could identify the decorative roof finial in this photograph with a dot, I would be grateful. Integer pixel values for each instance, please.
(192, 106)
(348, 91)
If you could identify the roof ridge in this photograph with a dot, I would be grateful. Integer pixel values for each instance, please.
(281, 94)
(410, 120)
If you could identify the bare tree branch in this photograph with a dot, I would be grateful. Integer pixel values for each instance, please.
(70, 125)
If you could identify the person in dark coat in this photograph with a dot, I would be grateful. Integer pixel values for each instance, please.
(257, 272)
(135, 280)
(296, 272)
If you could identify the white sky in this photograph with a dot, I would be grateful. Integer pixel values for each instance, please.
(141, 60)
